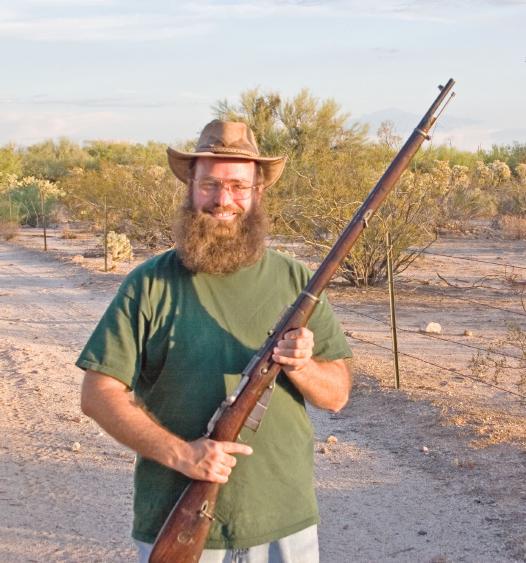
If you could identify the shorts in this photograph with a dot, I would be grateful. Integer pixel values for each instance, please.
(301, 547)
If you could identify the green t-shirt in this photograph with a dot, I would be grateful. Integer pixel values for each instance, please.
(181, 341)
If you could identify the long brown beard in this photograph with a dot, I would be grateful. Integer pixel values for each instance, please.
(205, 244)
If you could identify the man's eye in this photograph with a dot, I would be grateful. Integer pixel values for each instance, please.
(208, 185)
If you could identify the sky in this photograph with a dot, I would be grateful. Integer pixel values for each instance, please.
(152, 70)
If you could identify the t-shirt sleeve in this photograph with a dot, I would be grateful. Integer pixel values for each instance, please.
(117, 345)
(330, 342)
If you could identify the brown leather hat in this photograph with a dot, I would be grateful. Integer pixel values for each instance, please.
(226, 139)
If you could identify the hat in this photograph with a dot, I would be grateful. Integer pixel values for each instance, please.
(227, 139)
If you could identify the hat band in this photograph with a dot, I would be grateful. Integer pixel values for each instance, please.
(228, 150)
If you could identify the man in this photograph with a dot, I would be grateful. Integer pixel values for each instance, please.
(179, 332)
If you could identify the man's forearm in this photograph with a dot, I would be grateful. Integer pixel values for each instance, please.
(121, 417)
(325, 385)
(109, 402)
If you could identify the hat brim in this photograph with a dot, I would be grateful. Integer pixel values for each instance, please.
(272, 167)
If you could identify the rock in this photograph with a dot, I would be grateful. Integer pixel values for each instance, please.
(332, 440)
(431, 328)
(75, 447)
(425, 450)
(468, 333)
(422, 533)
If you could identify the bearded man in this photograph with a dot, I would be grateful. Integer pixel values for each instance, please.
(174, 341)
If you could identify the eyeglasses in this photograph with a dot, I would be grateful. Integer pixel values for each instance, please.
(237, 189)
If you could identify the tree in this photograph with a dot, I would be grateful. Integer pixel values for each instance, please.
(53, 160)
(10, 160)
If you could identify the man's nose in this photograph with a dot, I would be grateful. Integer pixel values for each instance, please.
(223, 197)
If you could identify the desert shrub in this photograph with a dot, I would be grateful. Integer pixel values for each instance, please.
(9, 210)
(520, 171)
(512, 199)
(468, 203)
(501, 172)
(123, 153)
(10, 161)
(482, 175)
(140, 201)
(119, 247)
(52, 160)
(8, 229)
(502, 370)
(68, 234)
(31, 196)
(512, 154)
(512, 226)
(408, 214)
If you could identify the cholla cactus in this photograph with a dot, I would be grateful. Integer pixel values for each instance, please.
(441, 175)
(45, 187)
(119, 246)
(460, 176)
(7, 181)
(483, 175)
(501, 172)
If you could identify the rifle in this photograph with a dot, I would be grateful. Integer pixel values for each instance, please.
(183, 535)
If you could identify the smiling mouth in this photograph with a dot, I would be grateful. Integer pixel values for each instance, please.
(222, 215)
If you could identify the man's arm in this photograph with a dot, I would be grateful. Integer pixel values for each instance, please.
(325, 384)
(110, 403)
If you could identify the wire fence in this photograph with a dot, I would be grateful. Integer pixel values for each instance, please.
(496, 362)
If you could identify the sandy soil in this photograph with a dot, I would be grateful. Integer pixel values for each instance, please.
(433, 472)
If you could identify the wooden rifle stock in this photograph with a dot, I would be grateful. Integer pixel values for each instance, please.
(183, 535)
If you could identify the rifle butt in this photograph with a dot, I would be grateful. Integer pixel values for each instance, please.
(182, 537)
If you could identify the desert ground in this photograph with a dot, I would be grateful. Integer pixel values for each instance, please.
(432, 472)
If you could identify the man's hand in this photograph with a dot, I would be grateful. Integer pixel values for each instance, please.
(325, 384)
(208, 460)
(109, 402)
(294, 351)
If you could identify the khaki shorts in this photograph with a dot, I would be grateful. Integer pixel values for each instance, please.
(301, 547)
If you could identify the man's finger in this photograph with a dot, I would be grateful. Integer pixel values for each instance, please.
(293, 353)
(288, 361)
(236, 448)
(229, 460)
(301, 343)
(298, 333)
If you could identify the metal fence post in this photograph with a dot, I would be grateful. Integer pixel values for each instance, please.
(43, 211)
(105, 232)
(392, 309)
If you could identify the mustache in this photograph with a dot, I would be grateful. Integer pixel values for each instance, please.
(223, 209)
